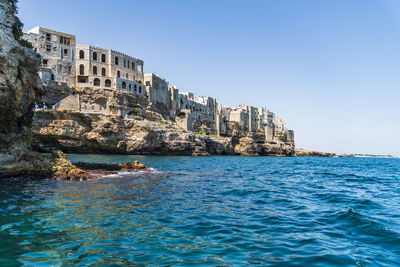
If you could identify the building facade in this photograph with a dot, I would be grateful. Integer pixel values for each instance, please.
(57, 50)
(99, 67)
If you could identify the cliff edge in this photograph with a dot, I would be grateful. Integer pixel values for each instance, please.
(19, 86)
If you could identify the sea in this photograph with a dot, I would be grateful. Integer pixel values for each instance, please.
(208, 211)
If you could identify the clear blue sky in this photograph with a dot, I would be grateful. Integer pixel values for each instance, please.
(331, 69)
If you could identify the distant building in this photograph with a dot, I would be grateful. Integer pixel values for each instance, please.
(98, 67)
(57, 50)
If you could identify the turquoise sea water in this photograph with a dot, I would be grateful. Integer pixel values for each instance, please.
(208, 211)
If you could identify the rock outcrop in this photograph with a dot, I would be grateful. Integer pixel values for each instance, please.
(300, 152)
(84, 132)
(19, 87)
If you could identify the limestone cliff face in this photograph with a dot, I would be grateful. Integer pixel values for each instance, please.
(81, 132)
(96, 133)
(19, 84)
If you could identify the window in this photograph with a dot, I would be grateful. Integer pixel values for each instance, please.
(82, 79)
(124, 63)
(65, 51)
(69, 69)
(59, 68)
(103, 71)
(103, 58)
(81, 54)
(65, 40)
(147, 83)
(116, 60)
(94, 70)
(48, 48)
(130, 87)
(45, 62)
(123, 85)
(127, 76)
(94, 56)
(52, 77)
(128, 64)
(134, 88)
(48, 37)
(118, 74)
(107, 83)
(81, 69)
(133, 65)
(140, 89)
(96, 82)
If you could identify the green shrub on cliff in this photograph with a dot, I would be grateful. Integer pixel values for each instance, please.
(133, 112)
(18, 25)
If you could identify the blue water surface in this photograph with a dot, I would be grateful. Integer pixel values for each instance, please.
(208, 211)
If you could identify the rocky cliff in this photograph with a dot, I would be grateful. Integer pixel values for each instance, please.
(19, 86)
(83, 132)
(98, 120)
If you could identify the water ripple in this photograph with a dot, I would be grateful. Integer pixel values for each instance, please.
(217, 211)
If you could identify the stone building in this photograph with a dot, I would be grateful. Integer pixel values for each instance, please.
(197, 113)
(106, 68)
(222, 121)
(269, 126)
(57, 50)
(158, 93)
(239, 116)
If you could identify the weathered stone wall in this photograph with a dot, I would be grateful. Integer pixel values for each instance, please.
(70, 103)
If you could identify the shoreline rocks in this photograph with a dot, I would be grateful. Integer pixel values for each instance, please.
(300, 152)
(58, 167)
(84, 132)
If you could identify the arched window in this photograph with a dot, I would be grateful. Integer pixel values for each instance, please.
(130, 87)
(116, 61)
(96, 82)
(126, 76)
(128, 64)
(103, 71)
(140, 89)
(81, 69)
(94, 70)
(133, 65)
(94, 56)
(124, 63)
(134, 88)
(118, 74)
(107, 83)
(103, 58)
(81, 54)
(65, 51)
(123, 85)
